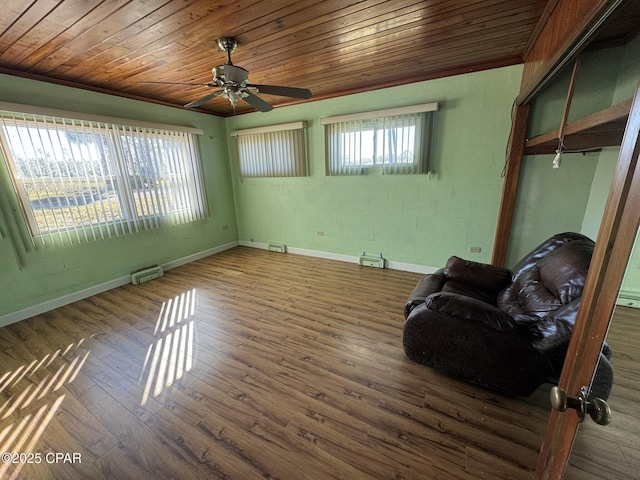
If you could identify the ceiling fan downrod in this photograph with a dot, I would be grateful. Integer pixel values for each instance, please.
(228, 44)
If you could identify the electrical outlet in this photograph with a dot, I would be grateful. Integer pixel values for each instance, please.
(475, 249)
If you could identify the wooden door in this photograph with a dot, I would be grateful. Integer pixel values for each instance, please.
(613, 246)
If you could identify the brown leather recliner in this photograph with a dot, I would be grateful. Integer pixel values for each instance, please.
(505, 330)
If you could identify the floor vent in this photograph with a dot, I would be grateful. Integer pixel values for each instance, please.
(278, 247)
(371, 261)
(146, 274)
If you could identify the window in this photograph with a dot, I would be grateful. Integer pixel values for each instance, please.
(80, 180)
(274, 151)
(396, 140)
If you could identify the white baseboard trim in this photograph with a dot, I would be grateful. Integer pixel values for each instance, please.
(262, 246)
(407, 267)
(52, 304)
(320, 254)
(199, 255)
(411, 267)
(43, 307)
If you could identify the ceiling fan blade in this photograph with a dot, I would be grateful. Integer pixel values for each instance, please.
(204, 99)
(294, 92)
(181, 83)
(257, 103)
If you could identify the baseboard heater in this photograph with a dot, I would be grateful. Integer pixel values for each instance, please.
(628, 298)
(278, 247)
(371, 261)
(146, 274)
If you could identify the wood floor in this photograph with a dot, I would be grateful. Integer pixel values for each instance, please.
(249, 365)
(613, 452)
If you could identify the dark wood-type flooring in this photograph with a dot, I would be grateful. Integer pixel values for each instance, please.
(251, 365)
(613, 452)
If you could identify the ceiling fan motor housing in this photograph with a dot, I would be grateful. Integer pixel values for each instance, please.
(230, 74)
(234, 82)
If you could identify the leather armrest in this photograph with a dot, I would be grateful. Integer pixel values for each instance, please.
(426, 286)
(554, 331)
(470, 310)
(482, 276)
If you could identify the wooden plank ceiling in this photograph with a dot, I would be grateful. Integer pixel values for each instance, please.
(332, 47)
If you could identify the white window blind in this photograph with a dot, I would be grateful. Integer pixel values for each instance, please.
(275, 151)
(395, 140)
(82, 180)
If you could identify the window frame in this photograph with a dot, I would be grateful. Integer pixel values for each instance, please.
(172, 143)
(276, 151)
(377, 121)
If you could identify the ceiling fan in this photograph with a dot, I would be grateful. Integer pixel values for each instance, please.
(234, 84)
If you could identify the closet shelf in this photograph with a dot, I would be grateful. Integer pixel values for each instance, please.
(602, 129)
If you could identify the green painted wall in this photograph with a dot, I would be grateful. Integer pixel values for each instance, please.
(409, 218)
(570, 198)
(49, 273)
(626, 86)
(624, 70)
(602, 178)
(593, 91)
(550, 200)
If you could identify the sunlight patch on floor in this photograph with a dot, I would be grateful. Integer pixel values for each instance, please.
(31, 404)
(171, 355)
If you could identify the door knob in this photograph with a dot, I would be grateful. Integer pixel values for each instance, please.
(596, 407)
